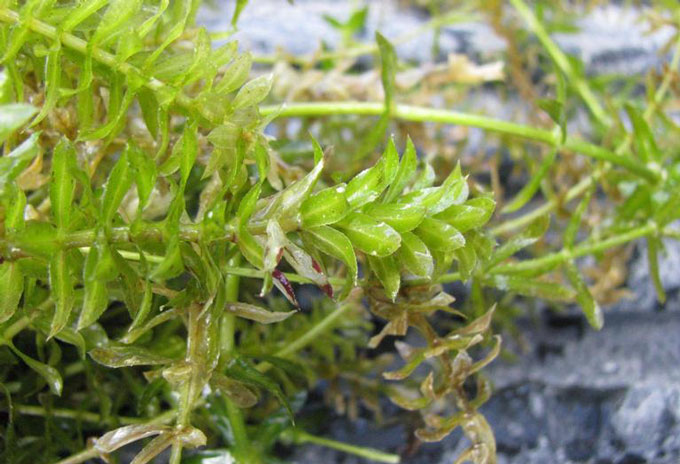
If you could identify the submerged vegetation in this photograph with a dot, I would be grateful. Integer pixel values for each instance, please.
(147, 212)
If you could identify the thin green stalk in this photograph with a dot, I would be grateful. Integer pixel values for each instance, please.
(312, 334)
(583, 249)
(90, 417)
(525, 219)
(562, 62)
(83, 456)
(424, 114)
(300, 437)
(228, 326)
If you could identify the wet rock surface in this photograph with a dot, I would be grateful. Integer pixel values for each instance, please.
(610, 39)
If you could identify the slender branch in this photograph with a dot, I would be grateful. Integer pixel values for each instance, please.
(91, 417)
(583, 249)
(312, 334)
(562, 62)
(85, 455)
(424, 114)
(521, 221)
(300, 437)
(238, 424)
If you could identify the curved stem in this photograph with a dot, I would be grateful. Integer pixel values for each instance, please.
(312, 334)
(228, 326)
(300, 437)
(83, 456)
(560, 59)
(424, 114)
(583, 249)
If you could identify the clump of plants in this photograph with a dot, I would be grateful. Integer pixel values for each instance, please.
(174, 277)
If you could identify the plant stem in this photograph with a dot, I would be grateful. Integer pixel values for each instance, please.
(312, 334)
(424, 114)
(581, 250)
(562, 62)
(520, 221)
(83, 456)
(235, 416)
(90, 417)
(300, 436)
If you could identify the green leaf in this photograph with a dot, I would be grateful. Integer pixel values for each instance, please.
(472, 214)
(534, 288)
(388, 59)
(257, 314)
(407, 167)
(366, 186)
(117, 438)
(242, 395)
(62, 184)
(11, 289)
(575, 220)
(125, 356)
(439, 235)
(588, 304)
(13, 165)
(14, 211)
(415, 256)
(49, 373)
(52, 81)
(144, 308)
(336, 244)
(401, 217)
(251, 250)
(253, 92)
(13, 116)
(467, 259)
(61, 284)
(292, 197)
(653, 247)
(528, 236)
(189, 147)
(453, 191)
(95, 298)
(224, 136)
(236, 74)
(150, 110)
(528, 191)
(370, 236)
(325, 207)
(117, 15)
(77, 15)
(238, 9)
(390, 162)
(145, 173)
(117, 185)
(240, 370)
(387, 272)
(172, 264)
(645, 143)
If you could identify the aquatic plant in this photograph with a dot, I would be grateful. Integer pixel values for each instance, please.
(146, 217)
